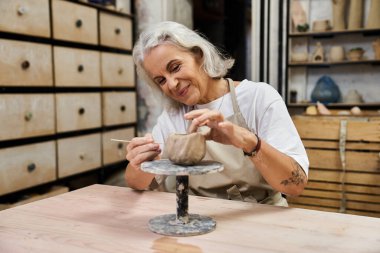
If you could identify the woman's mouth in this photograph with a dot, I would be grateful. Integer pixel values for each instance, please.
(182, 92)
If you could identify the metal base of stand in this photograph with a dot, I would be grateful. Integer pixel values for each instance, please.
(169, 225)
(182, 223)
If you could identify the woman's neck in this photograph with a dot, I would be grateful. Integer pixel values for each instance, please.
(217, 89)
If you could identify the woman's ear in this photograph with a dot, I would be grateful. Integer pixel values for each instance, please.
(198, 53)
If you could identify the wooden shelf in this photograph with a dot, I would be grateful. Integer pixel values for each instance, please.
(329, 64)
(373, 105)
(365, 32)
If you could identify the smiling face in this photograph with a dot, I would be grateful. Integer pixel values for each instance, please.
(178, 73)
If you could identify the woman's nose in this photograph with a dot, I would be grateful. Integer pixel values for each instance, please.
(172, 83)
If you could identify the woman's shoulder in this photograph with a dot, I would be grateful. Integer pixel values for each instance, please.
(258, 90)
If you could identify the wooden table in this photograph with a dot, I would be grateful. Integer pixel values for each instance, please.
(103, 218)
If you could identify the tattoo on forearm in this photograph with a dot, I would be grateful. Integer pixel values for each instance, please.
(298, 176)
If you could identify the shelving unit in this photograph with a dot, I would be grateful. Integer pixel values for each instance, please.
(302, 76)
(67, 85)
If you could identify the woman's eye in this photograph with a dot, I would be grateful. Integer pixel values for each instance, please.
(160, 81)
(176, 68)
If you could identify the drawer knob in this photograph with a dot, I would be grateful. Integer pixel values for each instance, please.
(120, 71)
(21, 10)
(25, 65)
(28, 116)
(81, 111)
(31, 167)
(122, 108)
(117, 31)
(78, 23)
(81, 156)
(120, 145)
(80, 68)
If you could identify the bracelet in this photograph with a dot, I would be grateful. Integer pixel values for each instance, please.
(255, 150)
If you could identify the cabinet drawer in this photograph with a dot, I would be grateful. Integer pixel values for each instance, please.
(76, 67)
(25, 64)
(115, 151)
(27, 17)
(74, 22)
(119, 108)
(78, 111)
(78, 154)
(26, 115)
(117, 70)
(26, 166)
(115, 31)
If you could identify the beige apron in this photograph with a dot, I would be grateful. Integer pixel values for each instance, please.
(239, 180)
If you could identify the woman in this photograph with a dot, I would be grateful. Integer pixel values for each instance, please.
(251, 132)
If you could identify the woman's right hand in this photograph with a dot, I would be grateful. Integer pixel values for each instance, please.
(142, 149)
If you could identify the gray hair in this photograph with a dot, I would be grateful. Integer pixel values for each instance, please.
(214, 63)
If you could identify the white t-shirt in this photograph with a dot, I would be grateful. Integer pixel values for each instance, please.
(263, 110)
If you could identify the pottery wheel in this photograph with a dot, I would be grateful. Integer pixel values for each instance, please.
(182, 223)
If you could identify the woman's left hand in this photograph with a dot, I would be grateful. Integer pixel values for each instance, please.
(221, 131)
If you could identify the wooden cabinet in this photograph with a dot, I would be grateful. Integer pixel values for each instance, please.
(73, 22)
(25, 17)
(25, 64)
(344, 174)
(26, 166)
(78, 154)
(26, 115)
(67, 83)
(115, 31)
(117, 70)
(76, 67)
(78, 111)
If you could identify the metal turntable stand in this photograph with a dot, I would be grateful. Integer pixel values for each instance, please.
(182, 223)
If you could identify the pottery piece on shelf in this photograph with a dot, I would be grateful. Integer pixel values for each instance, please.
(355, 54)
(326, 91)
(339, 7)
(311, 110)
(353, 97)
(299, 56)
(299, 17)
(355, 14)
(373, 20)
(321, 25)
(318, 54)
(336, 54)
(356, 110)
(322, 109)
(376, 49)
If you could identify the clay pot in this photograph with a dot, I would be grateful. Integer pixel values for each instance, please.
(355, 54)
(373, 21)
(336, 54)
(186, 149)
(299, 57)
(355, 15)
(353, 97)
(338, 14)
(318, 54)
(321, 25)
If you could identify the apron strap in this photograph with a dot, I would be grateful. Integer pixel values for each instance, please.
(233, 96)
(235, 105)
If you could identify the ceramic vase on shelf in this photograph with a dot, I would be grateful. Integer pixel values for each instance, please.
(299, 17)
(336, 54)
(318, 54)
(355, 14)
(326, 91)
(339, 7)
(373, 21)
